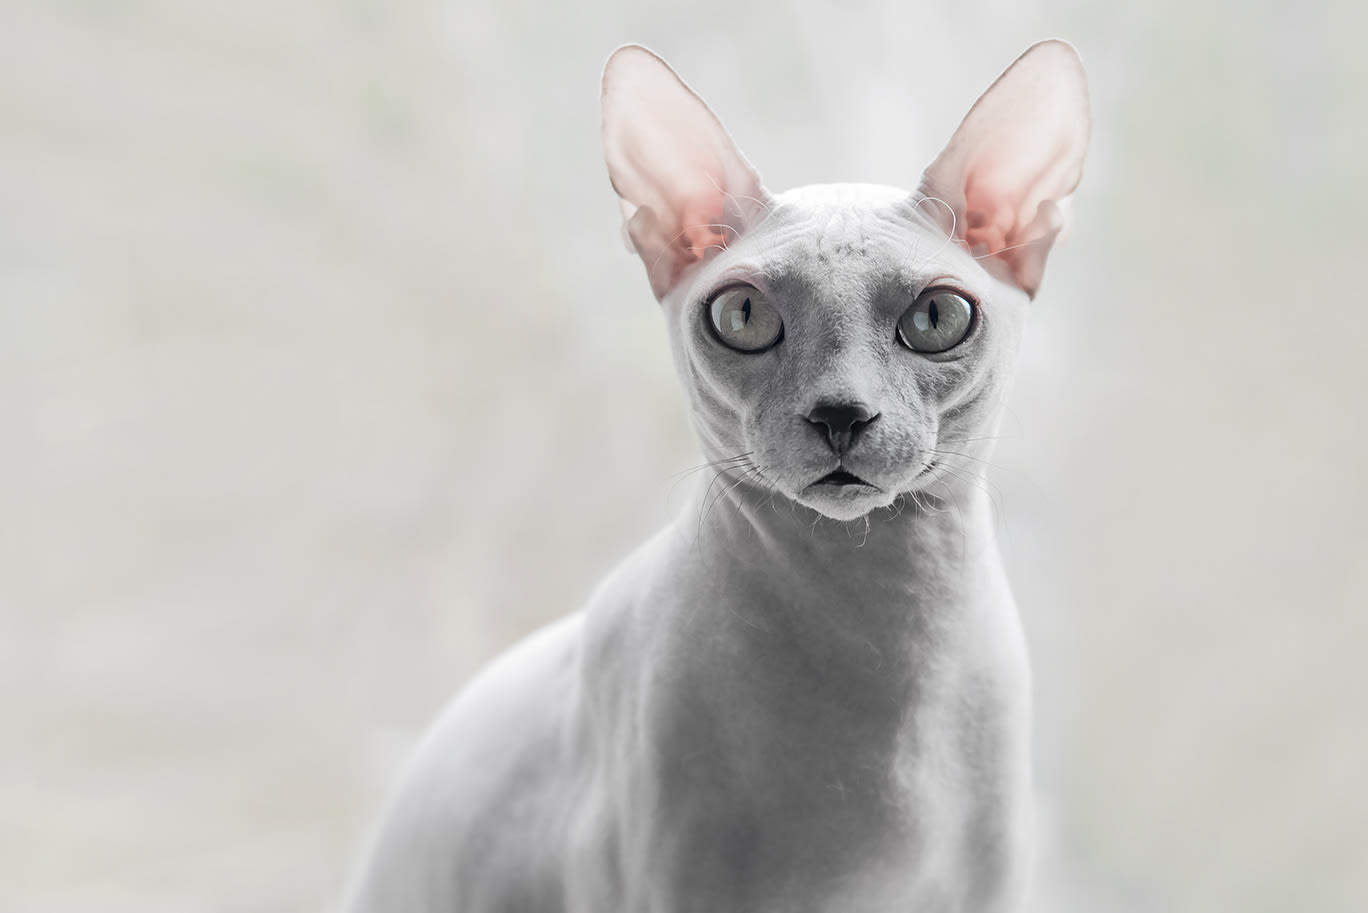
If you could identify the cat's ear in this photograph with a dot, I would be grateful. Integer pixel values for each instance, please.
(685, 187)
(1009, 170)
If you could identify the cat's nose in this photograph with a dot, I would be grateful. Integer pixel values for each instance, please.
(842, 422)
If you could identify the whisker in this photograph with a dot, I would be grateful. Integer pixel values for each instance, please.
(751, 474)
(987, 484)
(720, 495)
(688, 228)
(703, 507)
(1003, 250)
(1019, 474)
(734, 197)
(773, 490)
(969, 477)
(928, 507)
(683, 474)
(957, 453)
(950, 237)
(973, 440)
(964, 534)
(864, 538)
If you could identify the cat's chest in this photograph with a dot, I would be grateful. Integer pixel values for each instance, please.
(824, 838)
(820, 788)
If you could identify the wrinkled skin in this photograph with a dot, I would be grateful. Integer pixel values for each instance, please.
(842, 263)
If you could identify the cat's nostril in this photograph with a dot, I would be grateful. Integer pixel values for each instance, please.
(842, 422)
(842, 418)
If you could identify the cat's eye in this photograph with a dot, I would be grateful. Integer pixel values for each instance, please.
(744, 319)
(936, 322)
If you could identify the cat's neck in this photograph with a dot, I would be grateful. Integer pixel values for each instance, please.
(798, 643)
(917, 575)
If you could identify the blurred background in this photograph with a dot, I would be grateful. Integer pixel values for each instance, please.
(324, 376)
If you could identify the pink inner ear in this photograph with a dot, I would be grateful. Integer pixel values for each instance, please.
(1000, 196)
(988, 222)
(1014, 160)
(703, 225)
(681, 179)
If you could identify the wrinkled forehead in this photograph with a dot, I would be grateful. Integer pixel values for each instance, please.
(846, 238)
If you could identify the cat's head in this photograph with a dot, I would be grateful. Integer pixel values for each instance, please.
(853, 342)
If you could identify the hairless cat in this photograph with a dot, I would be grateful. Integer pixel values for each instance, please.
(815, 699)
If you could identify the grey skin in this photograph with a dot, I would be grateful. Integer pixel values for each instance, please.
(798, 697)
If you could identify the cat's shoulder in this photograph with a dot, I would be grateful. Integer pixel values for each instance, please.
(522, 701)
(496, 748)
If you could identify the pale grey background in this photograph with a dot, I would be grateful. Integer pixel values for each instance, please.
(324, 375)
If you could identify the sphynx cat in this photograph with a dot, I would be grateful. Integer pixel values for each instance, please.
(815, 698)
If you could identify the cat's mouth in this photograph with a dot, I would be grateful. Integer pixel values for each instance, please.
(840, 478)
(842, 495)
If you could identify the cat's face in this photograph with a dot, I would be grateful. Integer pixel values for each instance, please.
(796, 344)
(846, 345)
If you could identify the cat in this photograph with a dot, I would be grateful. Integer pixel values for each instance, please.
(815, 698)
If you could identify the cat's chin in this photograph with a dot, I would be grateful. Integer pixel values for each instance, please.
(843, 502)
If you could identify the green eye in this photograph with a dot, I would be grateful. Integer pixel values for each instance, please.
(937, 321)
(743, 319)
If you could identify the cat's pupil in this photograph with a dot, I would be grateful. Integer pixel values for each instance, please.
(739, 319)
(934, 313)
